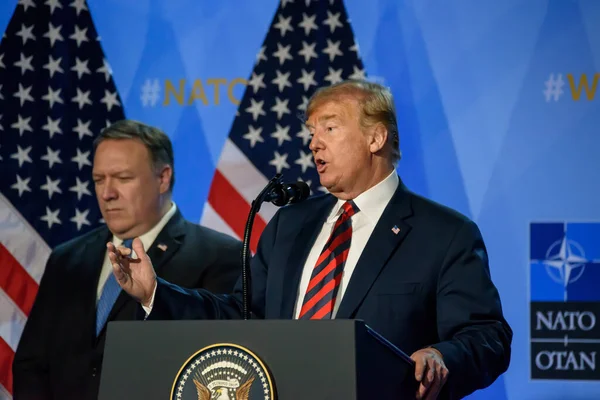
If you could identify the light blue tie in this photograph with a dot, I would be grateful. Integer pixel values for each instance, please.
(110, 292)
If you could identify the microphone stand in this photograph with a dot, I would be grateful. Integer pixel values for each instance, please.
(246, 275)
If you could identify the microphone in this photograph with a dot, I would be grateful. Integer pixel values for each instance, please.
(279, 194)
(288, 193)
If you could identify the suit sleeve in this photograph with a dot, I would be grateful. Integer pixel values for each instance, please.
(172, 302)
(223, 273)
(476, 338)
(30, 365)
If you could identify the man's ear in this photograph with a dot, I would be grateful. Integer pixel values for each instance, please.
(165, 176)
(378, 138)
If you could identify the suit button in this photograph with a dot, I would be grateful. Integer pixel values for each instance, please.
(94, 371)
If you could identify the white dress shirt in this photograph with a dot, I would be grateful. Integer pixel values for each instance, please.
(147, 240)
(371, 204)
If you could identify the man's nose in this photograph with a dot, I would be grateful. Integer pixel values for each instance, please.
(108, 191)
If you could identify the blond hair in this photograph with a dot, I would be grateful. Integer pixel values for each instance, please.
(376, 104)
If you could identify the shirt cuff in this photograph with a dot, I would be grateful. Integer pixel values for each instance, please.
(148, 309)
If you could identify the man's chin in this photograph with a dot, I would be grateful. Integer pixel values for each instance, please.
(327, 187)
(326, 183)
(118, 229)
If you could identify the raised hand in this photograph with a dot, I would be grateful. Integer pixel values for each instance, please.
(134, 272)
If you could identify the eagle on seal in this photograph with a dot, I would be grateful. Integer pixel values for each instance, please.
(241, 393)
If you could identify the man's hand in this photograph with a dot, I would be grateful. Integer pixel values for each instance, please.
(136, 276)
(431, 371)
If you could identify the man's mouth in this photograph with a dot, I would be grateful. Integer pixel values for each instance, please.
(321, 164)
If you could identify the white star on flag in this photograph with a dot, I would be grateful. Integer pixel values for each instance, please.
(305, 161)
(308, 23)
(52, 126)
(110, 100)
(308, 51)
(281, 134)
(284, 25)
(282, 80)
(82, 158)
(256, 109)
(22, 125)
(51, 157)
(26, 4)
(26, 33)
(256, 82)
(81, 67)
(52, 97)
(53, 34)
(105, 70)
(24, 63)
(279, 161)
(23, 94)
(51, 217)
(83, 129)
(80, 35)
(51, 186)
(280, 107)
(80, 188)
(53, 5)
(307, 79)
(80, 218)
(304, 134)
(333, 50)
(53, 66)
(22, 185)
(283, 53)
(22, 155)
(254, 135)
(82, 98)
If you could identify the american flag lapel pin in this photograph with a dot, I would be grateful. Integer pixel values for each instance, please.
(162, 246)
(395, 229)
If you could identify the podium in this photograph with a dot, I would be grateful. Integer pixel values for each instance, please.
(254, 359)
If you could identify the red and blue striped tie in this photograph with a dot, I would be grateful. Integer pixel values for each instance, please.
(326, 276)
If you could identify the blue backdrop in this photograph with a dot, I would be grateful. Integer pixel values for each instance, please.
(498, 113)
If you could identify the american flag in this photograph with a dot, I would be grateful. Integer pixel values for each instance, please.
(309, 44)
(56, 94)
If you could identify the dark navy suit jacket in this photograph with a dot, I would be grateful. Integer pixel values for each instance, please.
(427, 285)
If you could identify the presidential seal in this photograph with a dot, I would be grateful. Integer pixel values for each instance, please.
(223, 372)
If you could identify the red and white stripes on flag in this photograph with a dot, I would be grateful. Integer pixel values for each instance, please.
(23, 255)
(235, 184)
(309, 44)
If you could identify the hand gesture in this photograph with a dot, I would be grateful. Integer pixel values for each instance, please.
(135, 275)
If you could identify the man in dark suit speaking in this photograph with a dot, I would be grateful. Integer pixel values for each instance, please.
(415, 271)
(60, 352)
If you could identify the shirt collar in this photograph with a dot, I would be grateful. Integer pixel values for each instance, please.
(372, 202)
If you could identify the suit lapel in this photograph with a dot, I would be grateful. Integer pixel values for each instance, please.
(303, 243)
(162, 249)
(95, 248)
(383, 242)
(94, 251)
(167, 242)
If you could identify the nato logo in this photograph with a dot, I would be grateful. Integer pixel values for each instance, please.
(565, 300)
